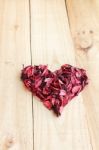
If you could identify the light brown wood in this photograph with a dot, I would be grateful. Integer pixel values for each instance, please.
(84, 22)
(16, 129)
(39, 31)
(52, 45)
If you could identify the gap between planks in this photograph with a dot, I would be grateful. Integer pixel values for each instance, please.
(31, 64)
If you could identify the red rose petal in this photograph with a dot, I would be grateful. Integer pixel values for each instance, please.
(47, 104)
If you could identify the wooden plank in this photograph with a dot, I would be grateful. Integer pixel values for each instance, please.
(84, 21)
(16, 131)
(52, 45)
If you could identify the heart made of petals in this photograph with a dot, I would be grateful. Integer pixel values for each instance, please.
(54, 89)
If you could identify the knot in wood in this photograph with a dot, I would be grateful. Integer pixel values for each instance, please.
(8, 142)
(85, 43)
(84, 40)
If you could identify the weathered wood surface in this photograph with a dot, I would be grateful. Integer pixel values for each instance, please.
(38, 32)
(84, 20)
(16, 129)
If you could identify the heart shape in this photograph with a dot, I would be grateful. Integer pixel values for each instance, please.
(55, 89)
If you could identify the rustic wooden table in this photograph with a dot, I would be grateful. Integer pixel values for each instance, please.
(52, 32)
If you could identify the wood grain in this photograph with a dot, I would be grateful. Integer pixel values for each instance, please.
(16, 129)
(51, 44)
(38, 32)
(84, 20)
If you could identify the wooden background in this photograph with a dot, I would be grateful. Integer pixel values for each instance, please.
(52, 32)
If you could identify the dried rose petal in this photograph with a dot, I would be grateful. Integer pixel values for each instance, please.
(48, 104)
(55, 89)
